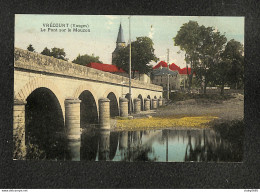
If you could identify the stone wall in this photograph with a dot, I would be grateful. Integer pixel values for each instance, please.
(45, 64)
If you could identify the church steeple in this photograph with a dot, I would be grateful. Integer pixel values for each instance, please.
(120, 42)
(120, 36)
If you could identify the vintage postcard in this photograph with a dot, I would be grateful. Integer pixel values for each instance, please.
(128, 88)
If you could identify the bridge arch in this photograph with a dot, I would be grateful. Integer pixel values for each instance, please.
(88, 109)
(36, 83)
(88, 105)
(44, 126)
(113, 91)
(86, 87)
(114, 110)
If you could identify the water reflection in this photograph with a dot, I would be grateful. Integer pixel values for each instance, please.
(89, 145)
(104, 145)
(158, 145)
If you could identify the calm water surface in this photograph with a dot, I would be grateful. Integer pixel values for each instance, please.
(159, 145)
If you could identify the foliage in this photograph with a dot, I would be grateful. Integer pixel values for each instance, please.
(19, 149)
(46, 51)
(34, 151)
(233, 132)
(86, 59)
(210, 58)
(142, 52)
(189, 41)
(230, 130)
(55, 52)
(30, 48)
(202, 46)
(30, 151)
(179, 96)
(231, 67)
(209, 54)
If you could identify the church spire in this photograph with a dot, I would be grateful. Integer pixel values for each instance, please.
(120, 36)
(120, 42)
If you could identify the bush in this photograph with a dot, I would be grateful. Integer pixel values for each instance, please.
(19, 150)
(34, 151)
(179, 96)
(231, 130)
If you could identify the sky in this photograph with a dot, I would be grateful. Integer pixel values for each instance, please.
(99, 33)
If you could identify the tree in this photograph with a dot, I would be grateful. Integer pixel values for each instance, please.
(189, 41)
(86, 59)
(142, 53)
(230, 70)
(212, 45)
(58, 53)
(55, 52)
(46, 51)
(202, 46)
(30, 48)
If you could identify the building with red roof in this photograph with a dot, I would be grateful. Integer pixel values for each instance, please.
(160, 64)
(118, 71)
(160, 72)
(173, 67)
(106, 67)
(183, 71)
(176, 81)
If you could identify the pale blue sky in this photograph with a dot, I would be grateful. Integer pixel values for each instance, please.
(103, 33)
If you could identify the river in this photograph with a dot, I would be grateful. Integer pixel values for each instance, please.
(166, 145)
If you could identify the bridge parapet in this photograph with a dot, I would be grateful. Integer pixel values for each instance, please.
(27, 60)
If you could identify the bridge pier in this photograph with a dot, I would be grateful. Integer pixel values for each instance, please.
(137, 105)
(72, 124)
(160, 102)
(154, 103)
(19, 129)
(123, 103)
(146, 104)
(104, 113)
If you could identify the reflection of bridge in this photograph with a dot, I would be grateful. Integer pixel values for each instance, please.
(50, 93)
(118, 146)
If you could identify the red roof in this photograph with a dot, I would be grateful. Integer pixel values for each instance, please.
(105, 67)
(173, 67)
(161, 63)
(183, 71)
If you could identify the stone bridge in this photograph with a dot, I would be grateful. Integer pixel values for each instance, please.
(56, 96)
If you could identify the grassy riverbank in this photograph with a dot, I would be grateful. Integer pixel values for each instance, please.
(191, 113)
(165, 122)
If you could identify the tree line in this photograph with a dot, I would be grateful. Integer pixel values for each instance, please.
(59, 53)
(211, 58)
